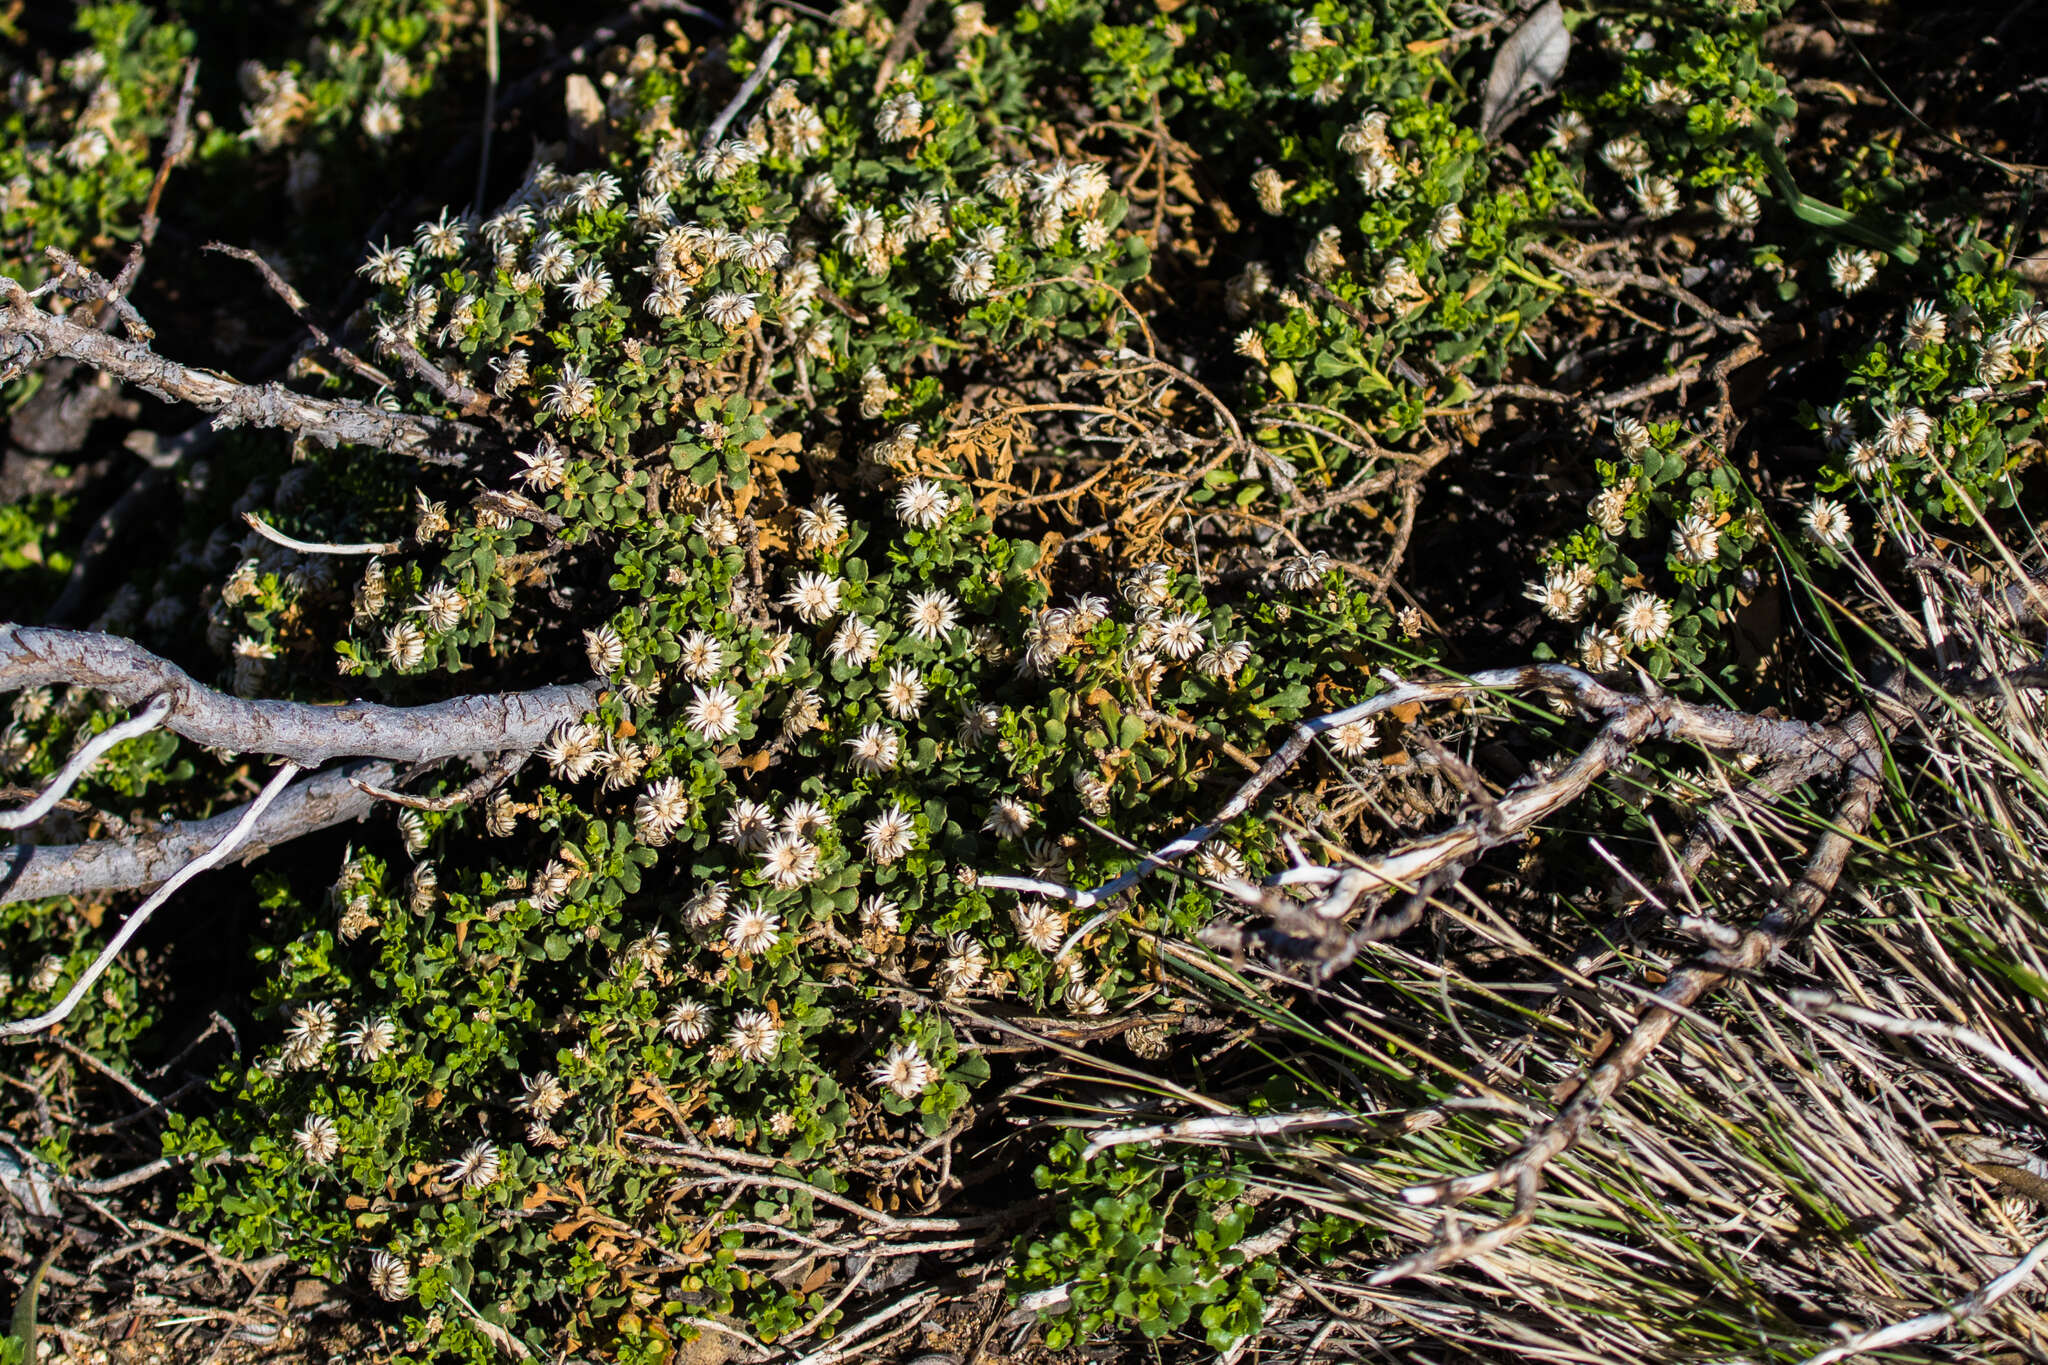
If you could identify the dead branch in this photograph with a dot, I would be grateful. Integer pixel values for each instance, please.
(29, 334)
(1794, 911)
(236, 835)
(37, 871)
(308, 547)
(301, 310)
(1940, 1320)
(1639, 718)
(304, 734)
(82, 761)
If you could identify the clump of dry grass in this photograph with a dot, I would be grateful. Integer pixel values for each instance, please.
(1843, 1134)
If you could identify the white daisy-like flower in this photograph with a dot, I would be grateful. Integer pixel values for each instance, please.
(1092, 235)
(879, 913)
(1632, 435)
(546, 468)
(1041, 925)
(313, 1024)
(441, 606)
(700, 656)
(1863, 461)
(755, 1036)
(1656, 195)
(761, 250)
(715, 712)
(1569, 131)
(1302, 572)
(974, 274)
(443, 239)
(933, 614)
(876, 749)
(965, 964)
(371, 1038)
(390, 1278)
(1852, 269)
(1925, 326)
(1561, 594)
(1600, 649)
(729, 309)
(789, 862)
(687, 1021)
(1222, 661)
(405, 645)
(1645, 619)
(1737, 205)
(388, 265)
(573, 394)
(1354, 738)
(660, 811)
(923, 504)
(603, 650)
(1904, 432)
(2027, 330)
(752, 930)
(1609, 510)
(903, 695)
(775, 662)
(855, 642)
(591, 286)
(649, 952)
(1696, 540)
(889, 835)
(1837, 426)
(820, 526)
(669, 297)
(904, 1070)
(542, 1095)
(1995, 362)
(1446, 227)
(1008, 819)
(806, 819)
(572, 751)
(814, 597)
(1082, 998)
(551, 259)
(979, 724)
(901, 116)
(1827, 522)
(1626, 156)
(1181, 635)
(477, 1167)
(317, 1139)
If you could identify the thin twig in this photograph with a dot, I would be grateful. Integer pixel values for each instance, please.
(1941, 1319)
(747, 87)
(152, 716)
(212, 858)
(308, 547)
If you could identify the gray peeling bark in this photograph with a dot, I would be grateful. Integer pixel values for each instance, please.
(30, 333)
(148, 858)
(303, 734)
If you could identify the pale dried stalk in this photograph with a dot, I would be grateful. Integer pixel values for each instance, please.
(211, 858)
(151, 717)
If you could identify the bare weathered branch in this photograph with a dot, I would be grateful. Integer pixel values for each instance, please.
(37, 871)
(304, 734)
(31, 333)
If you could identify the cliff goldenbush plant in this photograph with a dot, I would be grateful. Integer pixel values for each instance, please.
(947, 459)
